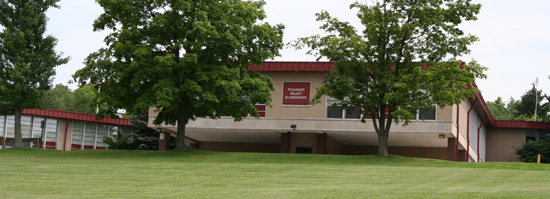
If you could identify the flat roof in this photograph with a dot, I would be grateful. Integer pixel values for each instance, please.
(300, 66)
(75, 116)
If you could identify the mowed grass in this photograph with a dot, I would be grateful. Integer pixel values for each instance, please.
(38, 173)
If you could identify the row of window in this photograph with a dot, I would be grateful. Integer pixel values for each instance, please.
(32, 127)
(535, 135)
(261, 110)
(90, 135)
(355, 113)
(85, 135)
(351, 112)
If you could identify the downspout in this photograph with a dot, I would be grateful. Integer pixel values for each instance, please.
(468, 132)
(66, 129)
(457, 131)
(478, 129)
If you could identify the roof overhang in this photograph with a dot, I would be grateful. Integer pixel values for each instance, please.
(75, 116)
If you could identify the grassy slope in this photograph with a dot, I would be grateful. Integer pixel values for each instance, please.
(32, 173)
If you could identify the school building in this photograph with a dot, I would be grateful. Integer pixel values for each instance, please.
(62, 130)
(464, 132)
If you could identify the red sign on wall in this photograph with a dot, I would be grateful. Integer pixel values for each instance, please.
(296, 93)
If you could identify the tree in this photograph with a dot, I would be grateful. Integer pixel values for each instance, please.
(85, 99)
(499, 110)
(529, 151)
(143, 137)
(398, 64)
(524, 108)
(146, 138)
(58, 98)
(188, 59)
(27, 57)
(82, 100)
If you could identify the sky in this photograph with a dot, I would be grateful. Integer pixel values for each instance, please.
(514, 38)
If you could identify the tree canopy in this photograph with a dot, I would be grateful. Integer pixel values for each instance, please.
(188, 59)
(27, 57)
(85, 99)
(499, 111)
(522, 109)
(82, 100)
(59, 98)
(403, 60)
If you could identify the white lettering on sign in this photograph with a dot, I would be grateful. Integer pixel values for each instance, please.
(296, 93)
(295, 97)
(297, 89)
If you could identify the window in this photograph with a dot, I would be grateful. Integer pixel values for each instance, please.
(535, 135)
(113, 131)
(37, 127)
(51, 133)
(261, 109)
(2, 126)
(428, 115)
(304, 150)
(26, 126)
(77, 133)
(89, 135)
(338, 112)
(102, 131)
(10, 130)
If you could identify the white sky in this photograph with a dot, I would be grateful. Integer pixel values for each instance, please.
(514, 38)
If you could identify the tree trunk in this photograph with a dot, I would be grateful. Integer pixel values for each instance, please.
(18, 142)
(382, 127)
(182, 122)
(383, 143)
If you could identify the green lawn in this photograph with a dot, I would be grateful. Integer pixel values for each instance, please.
(37, 173)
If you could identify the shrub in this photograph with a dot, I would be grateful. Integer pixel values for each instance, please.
(529, 151)
(120, 141)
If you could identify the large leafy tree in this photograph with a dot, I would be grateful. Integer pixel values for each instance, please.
(27, 57)
(499, 110)
(59, 98)
(85, 99)
(188, 59)
(82, 100)
(524, 108)
(400, 62)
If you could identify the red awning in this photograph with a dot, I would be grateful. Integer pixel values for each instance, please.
(75, 116)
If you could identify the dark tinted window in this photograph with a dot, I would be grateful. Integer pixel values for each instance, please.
(531, 135)
(353, 113)
(304, 149)
(427, 115)
(334, 113)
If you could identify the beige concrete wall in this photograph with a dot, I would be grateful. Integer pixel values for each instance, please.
(445, 113)
(303, 139)
(239, 147)
(295, 111)
(419, 152)
(500, 143)
(333, 146)
(278, 110)
(462, 121)
(152, 116)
